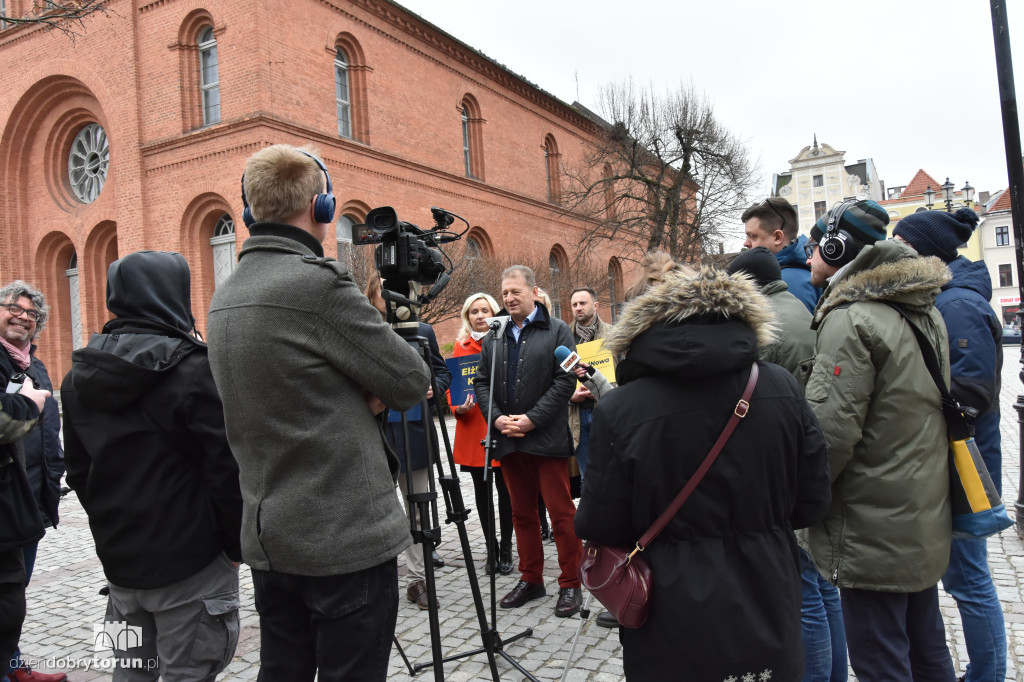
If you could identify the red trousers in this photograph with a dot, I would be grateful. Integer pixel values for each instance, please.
(526, 477)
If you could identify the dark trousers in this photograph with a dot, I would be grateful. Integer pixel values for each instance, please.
(896, 636)
(528, 476)
(339, 626)
(504, 508)
(12, 603)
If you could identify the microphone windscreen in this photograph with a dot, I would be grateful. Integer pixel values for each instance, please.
(561, 353)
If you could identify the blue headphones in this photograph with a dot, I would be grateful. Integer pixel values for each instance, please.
(323, 205)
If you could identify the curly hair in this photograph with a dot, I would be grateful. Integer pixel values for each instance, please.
(18, 288)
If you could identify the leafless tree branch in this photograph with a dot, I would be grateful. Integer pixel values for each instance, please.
(67, 16)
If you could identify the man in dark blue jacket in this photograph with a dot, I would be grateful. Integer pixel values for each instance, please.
(44, 456)
(975, 361)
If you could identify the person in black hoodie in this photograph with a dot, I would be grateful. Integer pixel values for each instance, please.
(146, 452)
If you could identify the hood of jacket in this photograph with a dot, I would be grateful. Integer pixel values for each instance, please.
(692, 325)
(150, 292)
(887, 271)
(971, 275)
(793, 254)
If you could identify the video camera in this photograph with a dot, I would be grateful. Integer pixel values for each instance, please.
(406, 254)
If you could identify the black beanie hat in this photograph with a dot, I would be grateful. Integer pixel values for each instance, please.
(937, 233)
(759, 263)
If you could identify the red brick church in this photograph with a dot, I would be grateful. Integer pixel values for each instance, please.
(134, 136)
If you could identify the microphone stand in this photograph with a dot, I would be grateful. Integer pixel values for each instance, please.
(493, 642)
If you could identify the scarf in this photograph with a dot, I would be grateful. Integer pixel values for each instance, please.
(585, 332)
(20, 356)
(478, 336)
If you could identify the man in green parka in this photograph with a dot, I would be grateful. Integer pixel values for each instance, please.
(885, 540)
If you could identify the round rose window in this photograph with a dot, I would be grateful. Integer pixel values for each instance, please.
(89, 162)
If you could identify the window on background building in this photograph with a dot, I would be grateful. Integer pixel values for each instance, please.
(819, 180)
(345, 246)
(1005, 275)
(465, 144)
(555, 271)
(473, 248)
(612, 292)
(1003, 235)
(223, 244)
(209, 82)
(341, 92)
(819, 209)
(3, 13)
(76, 303)
(552, 169)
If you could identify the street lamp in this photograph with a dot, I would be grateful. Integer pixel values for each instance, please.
(947, 194)
(929, 197)
(968, 193)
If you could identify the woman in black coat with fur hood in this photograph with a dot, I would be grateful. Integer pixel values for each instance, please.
(726, 594)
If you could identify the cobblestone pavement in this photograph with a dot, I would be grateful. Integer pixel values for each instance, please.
(64, 603)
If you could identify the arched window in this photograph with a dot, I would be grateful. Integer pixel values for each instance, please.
(350, 89)
(473, 248)
(341, 91)
(555, 271)
(465, 144)
(609, 192)
(209, 82)
(223, 245)
(614, 286)
(345, 246)
(552, 170)
(472, 138)
(76, 303)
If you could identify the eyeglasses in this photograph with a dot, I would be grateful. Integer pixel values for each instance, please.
(769, 202)
(809, 248)
(18, 311)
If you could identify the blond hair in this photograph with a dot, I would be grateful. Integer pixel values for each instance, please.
(657, 265)
(280, 182)
(463, 334)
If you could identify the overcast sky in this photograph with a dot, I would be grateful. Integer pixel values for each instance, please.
(908, 83)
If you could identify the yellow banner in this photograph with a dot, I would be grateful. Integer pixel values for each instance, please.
(594, 354)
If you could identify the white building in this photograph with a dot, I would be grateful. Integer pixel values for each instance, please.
(819, 177)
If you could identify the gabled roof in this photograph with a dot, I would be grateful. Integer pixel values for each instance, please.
(1003, 202)
(920, 182)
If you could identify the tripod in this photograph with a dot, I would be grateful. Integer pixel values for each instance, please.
(423, 510)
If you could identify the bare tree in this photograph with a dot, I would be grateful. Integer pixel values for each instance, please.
(66, 16)
(665, 174)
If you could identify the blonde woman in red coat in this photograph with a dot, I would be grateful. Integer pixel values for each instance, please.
(471, 428)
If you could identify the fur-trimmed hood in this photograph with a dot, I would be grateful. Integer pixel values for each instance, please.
(710, 292)
(887, 271)
(692, 326)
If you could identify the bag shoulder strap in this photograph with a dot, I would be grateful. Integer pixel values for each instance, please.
(738, 413)
(956, 424)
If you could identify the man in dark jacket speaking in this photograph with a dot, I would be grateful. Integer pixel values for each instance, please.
(146, 452)
(530, 412)
(303, 362)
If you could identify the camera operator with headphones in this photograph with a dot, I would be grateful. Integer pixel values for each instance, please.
(303, 362)
(886, 537)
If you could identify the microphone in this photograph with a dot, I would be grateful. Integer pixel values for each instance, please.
(498, 324)
(568, 360)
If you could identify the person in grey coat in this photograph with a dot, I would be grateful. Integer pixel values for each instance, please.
(304, 363)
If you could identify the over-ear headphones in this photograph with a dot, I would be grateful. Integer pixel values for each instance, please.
(834, 245)
(323, 204)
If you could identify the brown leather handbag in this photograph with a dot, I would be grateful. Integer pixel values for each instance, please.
(619, 578)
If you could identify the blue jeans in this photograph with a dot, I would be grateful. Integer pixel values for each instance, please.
(969, 582)
(821, 625)
(586, 419)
